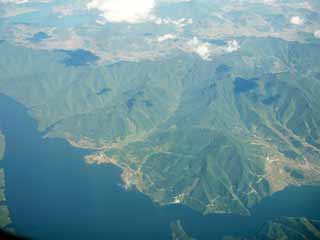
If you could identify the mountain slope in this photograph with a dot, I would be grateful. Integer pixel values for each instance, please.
(286, 228)
(217, 135)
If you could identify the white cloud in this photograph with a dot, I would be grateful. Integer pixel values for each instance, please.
(233, 46)
(200, 48)
(182, 22)
(166, 37)
(296, 20)
(317, 34)
(100, 22)
(135, 11)
(123, 10)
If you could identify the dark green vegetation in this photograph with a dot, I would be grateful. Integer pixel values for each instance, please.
(4, 217)
(286, 229)
(217, 136)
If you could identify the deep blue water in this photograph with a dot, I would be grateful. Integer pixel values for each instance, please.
(53, 194)
(79, 57)
(38, 37)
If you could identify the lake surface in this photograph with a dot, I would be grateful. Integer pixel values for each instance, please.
(53, 194)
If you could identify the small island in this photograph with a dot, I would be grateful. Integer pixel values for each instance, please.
(178, 233)
(5, 220)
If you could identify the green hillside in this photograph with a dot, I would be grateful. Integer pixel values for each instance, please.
(217, 136)
(285, 229)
